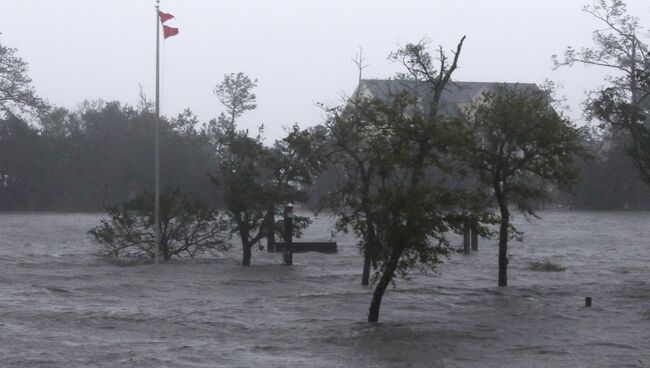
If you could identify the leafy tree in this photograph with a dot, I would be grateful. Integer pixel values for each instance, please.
(245, 194)
(348, 130)
(520, 145)
(17, 94)
(187, 227)
(624, 104)
(402, 212)
(256, 180)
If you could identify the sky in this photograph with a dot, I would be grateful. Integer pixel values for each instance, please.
(299, 51)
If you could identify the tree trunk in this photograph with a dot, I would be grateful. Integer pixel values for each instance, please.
(503, 244)
(386, 277)
(371, 242)
(246, 260)
(164, 249)
(365, 277)
(270, 232)
(466, 238)
(475, 237)
(270, 240)
(247, 247)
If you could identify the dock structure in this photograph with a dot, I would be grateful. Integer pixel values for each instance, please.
(302, 247)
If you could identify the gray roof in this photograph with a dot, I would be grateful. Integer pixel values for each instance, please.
(454, 95)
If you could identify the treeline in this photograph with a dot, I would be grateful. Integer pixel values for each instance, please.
(101, 154)
(609, 181)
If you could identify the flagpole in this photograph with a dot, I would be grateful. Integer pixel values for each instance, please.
(157, 139)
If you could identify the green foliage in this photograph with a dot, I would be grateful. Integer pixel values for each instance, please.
(520, 148)
(546, 266)
(257, 181)
(389, 150)
(187, 227)
(520, 144)
(389, 198)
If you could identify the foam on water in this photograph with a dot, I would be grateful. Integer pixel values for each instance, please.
(63, 306)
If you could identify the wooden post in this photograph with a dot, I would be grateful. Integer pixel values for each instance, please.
(475, 237)
(588, 302)
(270, 240)
(270, 235)
(287, 253)
(466, 231)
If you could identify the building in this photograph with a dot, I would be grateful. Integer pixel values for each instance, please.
(456, 97)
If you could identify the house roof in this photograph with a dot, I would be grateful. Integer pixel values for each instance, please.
(455, 95)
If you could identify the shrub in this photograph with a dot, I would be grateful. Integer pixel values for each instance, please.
(187, 227)
(546, 267)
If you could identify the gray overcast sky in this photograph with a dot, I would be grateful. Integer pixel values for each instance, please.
(299, 51)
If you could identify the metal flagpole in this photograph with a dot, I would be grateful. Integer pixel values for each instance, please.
(157, 138)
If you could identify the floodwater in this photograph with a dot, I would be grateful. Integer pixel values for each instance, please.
(61, 305)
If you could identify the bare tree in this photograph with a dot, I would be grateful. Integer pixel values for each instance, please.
(235, 92)
(17, 94)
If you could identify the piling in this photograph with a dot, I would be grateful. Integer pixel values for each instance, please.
(270, 240)
(588, 302)
(287, 252)
(475, 238)
(466, 236)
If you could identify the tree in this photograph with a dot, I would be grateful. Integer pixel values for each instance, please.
(348, 130)
(17, 94)
(397, 142)
(187, 227)
(519, 146)
(242, 183)
(624, 104)
(256, 180)
(347, 152)
(235, 92)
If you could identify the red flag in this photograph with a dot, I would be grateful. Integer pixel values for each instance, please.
(169, 31)
(165, 16)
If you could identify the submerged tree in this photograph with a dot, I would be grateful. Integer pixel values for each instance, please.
(401, 212)
(520, 145)
(348, 130)
(187, 227)
(256, 180)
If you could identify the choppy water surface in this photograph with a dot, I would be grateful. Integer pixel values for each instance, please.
(63, 306)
